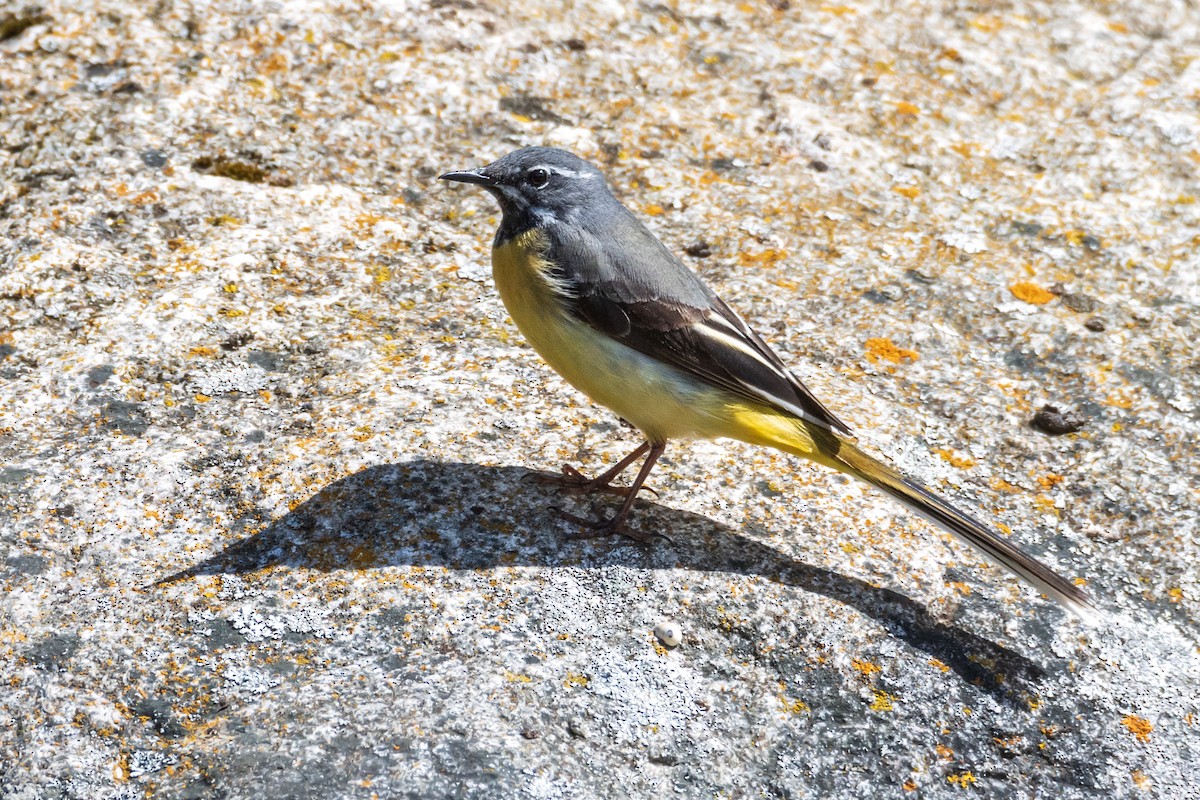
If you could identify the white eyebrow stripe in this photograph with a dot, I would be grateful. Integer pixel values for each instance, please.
(570, 173)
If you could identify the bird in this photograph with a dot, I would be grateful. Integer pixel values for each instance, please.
(609, 307)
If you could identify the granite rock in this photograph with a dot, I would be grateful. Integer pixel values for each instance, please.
(268, 525)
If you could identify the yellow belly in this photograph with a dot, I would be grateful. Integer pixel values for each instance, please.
(663, 402)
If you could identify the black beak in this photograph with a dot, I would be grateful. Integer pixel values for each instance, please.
(468, 176)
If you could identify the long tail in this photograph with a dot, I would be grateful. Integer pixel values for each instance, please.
(921, 500)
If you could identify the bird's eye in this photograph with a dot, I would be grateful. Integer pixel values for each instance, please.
(537, 177)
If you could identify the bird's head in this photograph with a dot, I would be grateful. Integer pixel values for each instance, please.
(538, 184)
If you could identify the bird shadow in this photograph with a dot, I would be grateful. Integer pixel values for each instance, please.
(432, 513)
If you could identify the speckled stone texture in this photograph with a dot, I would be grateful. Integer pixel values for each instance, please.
(268, 526)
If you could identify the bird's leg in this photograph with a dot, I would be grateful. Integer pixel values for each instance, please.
(575, 480)
(604, 527)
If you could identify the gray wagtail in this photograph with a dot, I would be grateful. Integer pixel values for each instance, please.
(616, 314)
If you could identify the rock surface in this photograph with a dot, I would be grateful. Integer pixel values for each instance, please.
(267, 526)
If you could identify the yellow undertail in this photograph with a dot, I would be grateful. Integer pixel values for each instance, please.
(764, 426)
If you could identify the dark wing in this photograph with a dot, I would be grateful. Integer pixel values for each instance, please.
(628, 285)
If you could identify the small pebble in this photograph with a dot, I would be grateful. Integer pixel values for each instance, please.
(1079, 302)
(154, 158)
(1054, 422)
(669, 633)
(1095, 324)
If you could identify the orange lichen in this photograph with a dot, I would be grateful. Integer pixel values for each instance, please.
(794, 706)
(955, 460)
(1045, 503)
(379, 273)
(120, 769)
(764, 259)
(1001, 485)
(1138, 727)
(963, 780)
(911, 192)
(276, 62)
(1119, 400)
(907, 109)
(882, 701)
(1031, 293)
(865, 667)
(880, 347)
(1049, 480)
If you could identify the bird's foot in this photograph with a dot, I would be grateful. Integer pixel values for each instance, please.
(573, 480)
(600, 526)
